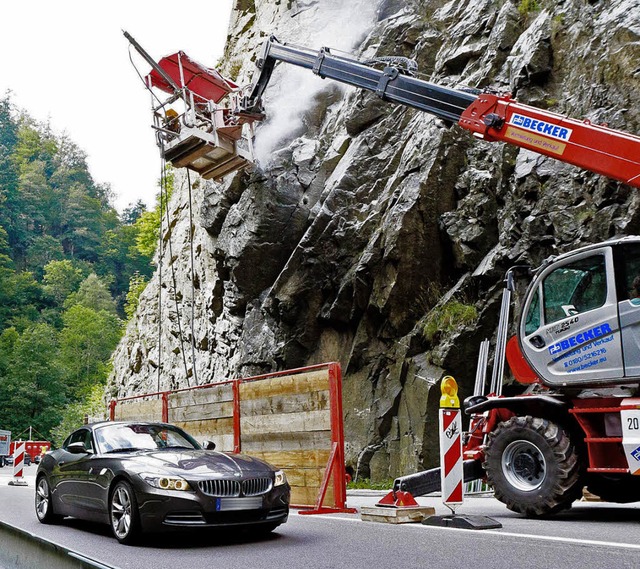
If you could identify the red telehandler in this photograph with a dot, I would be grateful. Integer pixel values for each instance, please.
(577, 347)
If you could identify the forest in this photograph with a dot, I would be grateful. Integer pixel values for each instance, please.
(71, 270)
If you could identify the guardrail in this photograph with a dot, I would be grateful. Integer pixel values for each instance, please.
(23, 550)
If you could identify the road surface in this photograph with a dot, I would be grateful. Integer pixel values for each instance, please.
(590, 535)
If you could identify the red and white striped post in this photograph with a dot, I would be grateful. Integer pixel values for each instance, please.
(18, 466)
(451, 469)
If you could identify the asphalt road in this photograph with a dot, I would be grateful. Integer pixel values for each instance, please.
(590, 535)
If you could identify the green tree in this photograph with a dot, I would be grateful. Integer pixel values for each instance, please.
(120, 260)
(32, 393)
(61, 278)
(21, 297)
(8, 339)
(42, 249)
(9, 202)
(136, 285)
(131, 214)
(93, 294)
(149, 223)
(86, 342)
(74, 413)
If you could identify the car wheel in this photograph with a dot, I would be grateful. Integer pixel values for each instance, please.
(532, 466)
(124, 515)
(44, 506)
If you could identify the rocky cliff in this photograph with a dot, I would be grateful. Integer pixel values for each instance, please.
(376, 235)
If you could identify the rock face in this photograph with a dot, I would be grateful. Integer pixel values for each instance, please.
(363, 218)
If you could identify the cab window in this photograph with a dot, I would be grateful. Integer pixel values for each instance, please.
(575, 288)
(532, 322)
(630, 272)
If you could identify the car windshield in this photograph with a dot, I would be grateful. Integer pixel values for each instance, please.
(141, 436)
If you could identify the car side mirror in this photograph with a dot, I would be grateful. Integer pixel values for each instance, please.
(209, 445)
(77, 448)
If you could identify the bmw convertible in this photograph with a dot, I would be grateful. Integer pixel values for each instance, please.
(144, 477)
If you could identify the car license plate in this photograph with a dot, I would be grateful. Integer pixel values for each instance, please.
(234, 504)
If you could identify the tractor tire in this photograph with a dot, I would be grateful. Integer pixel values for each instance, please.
(532, 466)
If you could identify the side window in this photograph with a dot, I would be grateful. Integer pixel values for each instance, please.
(88, 441)
(575, 288)
(75, 437)
(532, 322)
(631, 270)
(80, 436)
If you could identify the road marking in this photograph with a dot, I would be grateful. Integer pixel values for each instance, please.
(575, 541)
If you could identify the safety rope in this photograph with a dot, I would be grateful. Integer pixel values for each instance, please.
(165, 200)
(193, 291)
(160, 255)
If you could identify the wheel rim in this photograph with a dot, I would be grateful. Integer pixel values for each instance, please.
(42, 498)
(524, 465)
(121, 512)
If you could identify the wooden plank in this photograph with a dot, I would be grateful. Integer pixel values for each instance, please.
(139, 410)
(288, 422)
(289, 403)
(307, 477)
(213, 394)
(301, 496)
(401, 515)
(224, 442)
(295, 459)
(288, 384)
(206, 411)
(278, 442)
(208, 427)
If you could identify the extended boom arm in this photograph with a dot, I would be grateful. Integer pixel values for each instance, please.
(488, 116)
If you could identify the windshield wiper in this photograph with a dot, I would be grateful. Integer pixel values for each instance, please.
(124, 449)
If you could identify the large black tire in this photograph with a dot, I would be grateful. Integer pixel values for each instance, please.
(43, 503)
(124, 514)
(533, 466)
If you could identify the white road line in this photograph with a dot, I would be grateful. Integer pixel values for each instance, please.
(591, 542)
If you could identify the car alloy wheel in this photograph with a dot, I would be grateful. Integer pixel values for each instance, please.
(44, 508)
(123, 510)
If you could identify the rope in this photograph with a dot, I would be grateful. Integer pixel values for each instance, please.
(142, 78)
(160, 255)
(163, 183)
(193, 293)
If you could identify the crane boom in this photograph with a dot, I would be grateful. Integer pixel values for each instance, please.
(489, 116)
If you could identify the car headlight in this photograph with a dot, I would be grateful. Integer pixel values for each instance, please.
(281, 478)
(166, 482)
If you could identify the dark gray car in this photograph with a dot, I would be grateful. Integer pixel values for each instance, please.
(147, 477)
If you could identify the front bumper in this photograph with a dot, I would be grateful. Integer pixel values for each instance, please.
(163, 510)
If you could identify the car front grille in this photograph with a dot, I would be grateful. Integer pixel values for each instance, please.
(235, 488)
(256, 486)
(220, 488)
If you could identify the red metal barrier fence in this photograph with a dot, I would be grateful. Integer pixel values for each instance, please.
(292, 419)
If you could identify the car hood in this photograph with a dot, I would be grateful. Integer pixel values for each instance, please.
(202, 463)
